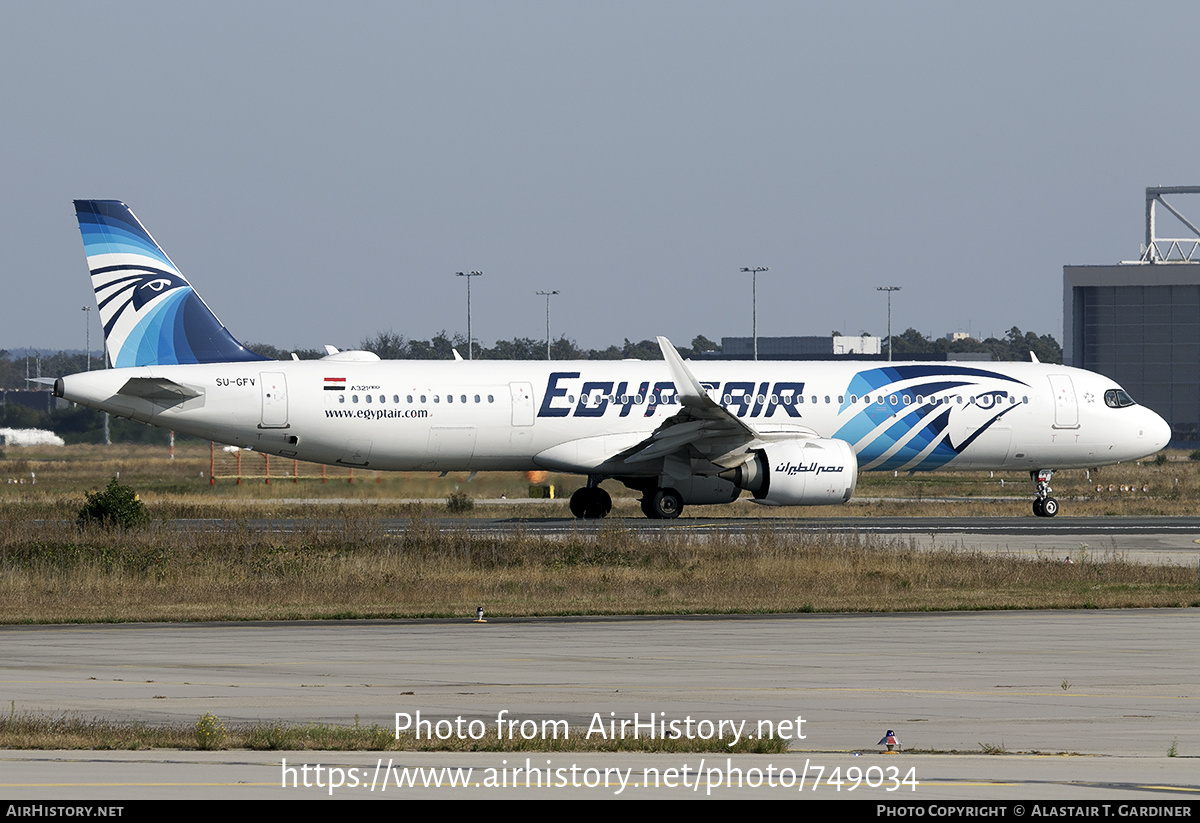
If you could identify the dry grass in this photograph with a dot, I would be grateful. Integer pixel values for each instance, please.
(180, 488)
(353, 568)
(73, 470)
(32, 731)
(346, 565)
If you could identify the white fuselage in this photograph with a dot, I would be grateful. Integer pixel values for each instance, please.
(578, 416)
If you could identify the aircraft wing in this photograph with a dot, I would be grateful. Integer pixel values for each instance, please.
(701, 425)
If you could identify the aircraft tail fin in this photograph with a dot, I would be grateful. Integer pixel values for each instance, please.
(150, 313)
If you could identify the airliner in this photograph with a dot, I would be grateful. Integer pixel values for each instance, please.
(677, 432)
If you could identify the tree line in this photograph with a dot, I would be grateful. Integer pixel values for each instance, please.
(1014, 345)
(392, 346)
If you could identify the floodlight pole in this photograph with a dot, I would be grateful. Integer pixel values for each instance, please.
(753, 271)
(548, 293)
(889, 290)
(470, 340)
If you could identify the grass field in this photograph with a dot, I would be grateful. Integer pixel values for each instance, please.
(36, 731)
(180, 487)
(345, 565)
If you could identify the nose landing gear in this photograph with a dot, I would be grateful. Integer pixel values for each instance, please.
(1043, 504)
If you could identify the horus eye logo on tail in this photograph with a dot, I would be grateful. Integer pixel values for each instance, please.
(151, 314)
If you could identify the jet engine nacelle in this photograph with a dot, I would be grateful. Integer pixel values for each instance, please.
(799, 473)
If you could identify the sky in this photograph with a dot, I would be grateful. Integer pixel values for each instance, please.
(320, 171)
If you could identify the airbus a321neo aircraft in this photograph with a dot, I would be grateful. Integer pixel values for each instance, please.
(789, 433)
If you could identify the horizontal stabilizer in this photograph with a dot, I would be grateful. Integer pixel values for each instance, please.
(157, 389)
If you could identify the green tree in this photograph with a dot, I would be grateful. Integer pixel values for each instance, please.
(387, 344)
(565, 349)
(645, 350)
(519, 348)
(911, 342)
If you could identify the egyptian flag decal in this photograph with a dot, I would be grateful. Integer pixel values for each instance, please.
(335, 384)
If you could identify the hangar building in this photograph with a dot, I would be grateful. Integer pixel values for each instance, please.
(1138, 322)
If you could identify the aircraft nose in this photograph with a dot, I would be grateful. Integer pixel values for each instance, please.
(1158, 431)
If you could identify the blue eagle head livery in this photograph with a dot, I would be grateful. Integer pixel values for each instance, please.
(150, 313)
(897, 432)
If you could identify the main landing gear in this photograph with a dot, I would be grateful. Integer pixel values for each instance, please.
(662, 504)
(1043, 504)
(591, 502)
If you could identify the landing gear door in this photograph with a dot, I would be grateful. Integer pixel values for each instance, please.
(1066, 407)
(274, 400)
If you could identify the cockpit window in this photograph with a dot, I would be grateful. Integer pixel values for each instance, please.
(1117, 399)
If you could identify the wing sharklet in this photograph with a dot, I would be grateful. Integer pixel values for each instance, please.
(692, 395)
(701, 424)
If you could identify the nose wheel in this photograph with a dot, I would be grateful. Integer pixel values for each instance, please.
(1045, 508)
(1043, 504)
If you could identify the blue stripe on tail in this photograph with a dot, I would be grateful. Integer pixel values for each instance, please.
(150, 313)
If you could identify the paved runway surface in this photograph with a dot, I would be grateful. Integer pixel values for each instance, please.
(1115, 690)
